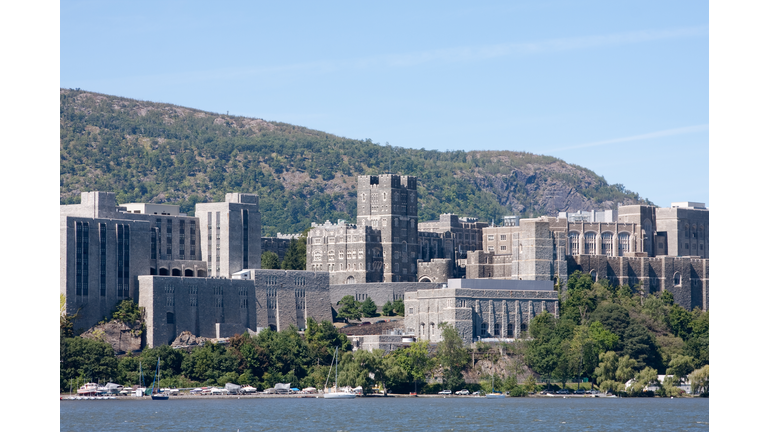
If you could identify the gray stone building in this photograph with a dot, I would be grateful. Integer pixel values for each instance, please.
(222, 307)
(160, 258)
(382, 246)
(478, 308)
(643, 245)
(232, 239)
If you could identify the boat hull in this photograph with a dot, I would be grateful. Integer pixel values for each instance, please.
(159, 397)
(495, 396)
(339, 396)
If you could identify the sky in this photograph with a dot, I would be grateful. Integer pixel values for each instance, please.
(620, 88)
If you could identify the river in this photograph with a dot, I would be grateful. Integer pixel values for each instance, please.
(388, 414)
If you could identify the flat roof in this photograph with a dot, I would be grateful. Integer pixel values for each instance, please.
(502, 284)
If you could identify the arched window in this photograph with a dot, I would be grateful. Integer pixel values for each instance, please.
(677, 280)
(163, 271)
(152, 271)
(497, 329)
(189, 273)
(317, 256)
(573, 240)
(590, 243)
(201, 273)
(175, 272)
(607, 243)
(351, 280)
(593, 275)
(623, 243)
(484, 329)
(331, 255)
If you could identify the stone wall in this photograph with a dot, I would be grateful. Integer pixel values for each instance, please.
(476, 313)
(221, 307)
(380, 293)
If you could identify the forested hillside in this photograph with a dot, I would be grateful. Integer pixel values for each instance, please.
(162, 153)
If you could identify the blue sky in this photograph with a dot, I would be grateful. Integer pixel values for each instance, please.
(621, 88)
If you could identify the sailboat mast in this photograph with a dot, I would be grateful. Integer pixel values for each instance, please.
(336, 384)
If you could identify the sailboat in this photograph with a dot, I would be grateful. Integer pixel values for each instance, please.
(335, 393)
(493, 394)
(154, 392)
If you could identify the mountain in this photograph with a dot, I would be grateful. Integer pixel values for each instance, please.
(163, 153)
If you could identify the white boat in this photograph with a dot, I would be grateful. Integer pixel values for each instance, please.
(249, 389)
(336, 392)
(88, 389)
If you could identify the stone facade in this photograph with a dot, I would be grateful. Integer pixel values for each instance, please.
(278, 245)
(232, 239)
(104, 247)
(380, 293)
(222, 307)
(477, 309)
(382, 246)
(644, 245)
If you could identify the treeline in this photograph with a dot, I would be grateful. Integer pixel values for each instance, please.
(615, 334)
(151, 152)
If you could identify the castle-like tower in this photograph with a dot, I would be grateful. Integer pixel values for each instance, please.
(389, 203)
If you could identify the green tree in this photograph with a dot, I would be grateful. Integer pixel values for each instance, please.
(700, 380)
(626, 369)
(609, 363)
(368, 308)
(349, 308)
(680, 366)
(452, 356)
(387, 309)
(296, 255)
(399, 307)
(270, 260)
(86, 360)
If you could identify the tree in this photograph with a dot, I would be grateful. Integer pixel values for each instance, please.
(86, 360)
(296, 255)
(626, 369)
(452, 355)
(368, 308)
(350, 308)
(700, 380)
(387, 309)
(270, 260)
(606, 371)
(680, 366)
(399, 307)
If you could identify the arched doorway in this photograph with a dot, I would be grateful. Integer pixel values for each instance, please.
(189, 272)
(163, 271)
(175, 272)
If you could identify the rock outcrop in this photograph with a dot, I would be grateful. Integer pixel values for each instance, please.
(121, 336)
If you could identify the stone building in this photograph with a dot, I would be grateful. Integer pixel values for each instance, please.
(196, 273)
(222, 307)
(642, 245)
(382, 246)
(479, 309)
(232, 239)
(278, 245)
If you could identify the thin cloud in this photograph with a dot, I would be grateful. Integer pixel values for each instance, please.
(444, 55)
(647, 136)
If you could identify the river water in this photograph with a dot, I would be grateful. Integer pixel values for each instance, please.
(388, 414)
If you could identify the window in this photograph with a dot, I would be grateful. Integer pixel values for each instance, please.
(503, 237)
(590, 243)
(573, 240)
(607, 243)
(503, 247)
(490, 248)
(623, 243)
(490, 237)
